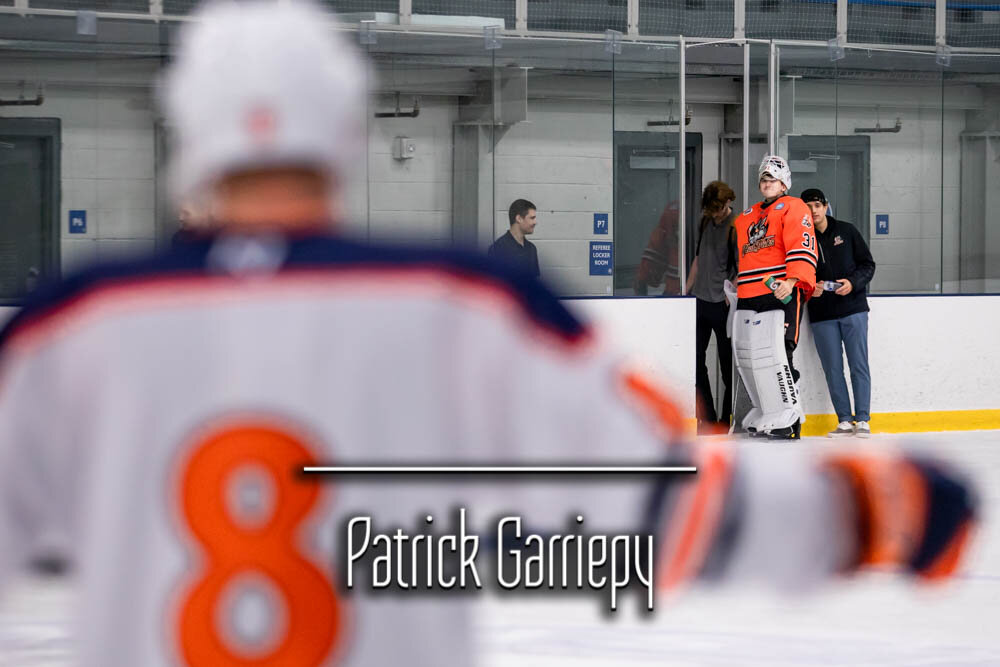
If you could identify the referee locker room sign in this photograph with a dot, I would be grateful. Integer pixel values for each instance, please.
(602, 258)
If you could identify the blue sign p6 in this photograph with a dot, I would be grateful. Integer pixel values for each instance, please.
(77, 222)
(882, 223)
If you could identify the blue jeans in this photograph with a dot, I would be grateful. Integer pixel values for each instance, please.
(833, 337)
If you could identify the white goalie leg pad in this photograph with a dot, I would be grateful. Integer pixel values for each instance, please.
(743, 358)
(779, 400)
(730, 291)
(802, 412)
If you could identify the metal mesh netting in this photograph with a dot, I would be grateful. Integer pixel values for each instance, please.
(691, 18)
(180, 7)
(890, 21)
(791, 19)
(973, 24)
(137, 6)
(503, 9)
(594, 16)
(362, 6)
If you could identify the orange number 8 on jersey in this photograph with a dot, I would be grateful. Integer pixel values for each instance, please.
(265, 550)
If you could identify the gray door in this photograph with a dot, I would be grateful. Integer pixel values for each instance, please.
(28, 205)
(647, 193)
(839, 166)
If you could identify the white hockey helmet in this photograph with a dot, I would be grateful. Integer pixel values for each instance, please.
(776, 166)
(262, 84)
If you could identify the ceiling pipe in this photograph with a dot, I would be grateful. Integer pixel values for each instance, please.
(21, 102)
(878, 128)
(401, 114)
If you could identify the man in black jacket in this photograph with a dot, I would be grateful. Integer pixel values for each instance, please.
(838, 313)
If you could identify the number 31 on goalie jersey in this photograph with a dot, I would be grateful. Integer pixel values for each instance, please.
(244, 554)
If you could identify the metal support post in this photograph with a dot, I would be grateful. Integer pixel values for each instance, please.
(772, 95)
(682, 159)
(940, 22)
(746, 126)
(841, 21)
(941, 33)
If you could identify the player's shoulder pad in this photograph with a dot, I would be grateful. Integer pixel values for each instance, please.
(318, 255)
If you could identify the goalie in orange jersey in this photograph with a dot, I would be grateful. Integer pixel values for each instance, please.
(776, 250)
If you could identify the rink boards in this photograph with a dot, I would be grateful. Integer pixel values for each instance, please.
(934, 360)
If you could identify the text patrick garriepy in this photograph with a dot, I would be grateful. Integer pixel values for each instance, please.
(425, 561)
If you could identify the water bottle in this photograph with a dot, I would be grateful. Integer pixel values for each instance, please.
(772, 285)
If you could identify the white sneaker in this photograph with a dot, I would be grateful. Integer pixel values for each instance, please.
(843, 430)
(863, 430)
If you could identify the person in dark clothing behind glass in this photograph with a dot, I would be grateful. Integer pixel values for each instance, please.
(838, 314)
(714, 263)
(513, 247)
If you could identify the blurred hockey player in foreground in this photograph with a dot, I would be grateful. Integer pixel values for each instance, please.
(154, 414)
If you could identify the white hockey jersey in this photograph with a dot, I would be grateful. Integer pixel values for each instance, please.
(153, 416)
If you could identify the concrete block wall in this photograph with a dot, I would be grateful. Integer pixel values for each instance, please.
(411, 199)
(561, 158)
(909, 184)
(107, 156)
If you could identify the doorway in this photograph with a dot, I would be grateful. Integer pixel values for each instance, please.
(841, 168)
(647, 195)
(29, 208)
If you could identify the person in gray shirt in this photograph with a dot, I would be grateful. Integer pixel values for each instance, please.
(714, 263)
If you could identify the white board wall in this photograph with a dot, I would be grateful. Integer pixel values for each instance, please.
(925, 353)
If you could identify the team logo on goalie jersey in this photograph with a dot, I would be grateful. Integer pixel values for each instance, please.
(757, 230)
(755, 237)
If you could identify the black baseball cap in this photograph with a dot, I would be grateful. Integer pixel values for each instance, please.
(813, 194)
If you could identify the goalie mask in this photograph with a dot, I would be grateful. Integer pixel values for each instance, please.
(776, 167)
